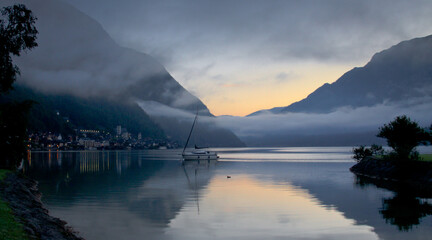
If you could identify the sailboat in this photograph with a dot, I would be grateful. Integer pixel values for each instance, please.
(197, 153)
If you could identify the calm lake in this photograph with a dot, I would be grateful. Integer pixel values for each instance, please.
(251, 193)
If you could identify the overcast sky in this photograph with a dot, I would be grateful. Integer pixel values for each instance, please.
(240, 56)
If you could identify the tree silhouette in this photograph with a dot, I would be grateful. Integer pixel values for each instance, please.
(403, 135)
(17, 34)
(405, 211)
(362, 152)
(406, 208)
(430, 134)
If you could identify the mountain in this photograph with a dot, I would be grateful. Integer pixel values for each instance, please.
(78, 59)
(64, 113)
(395, 75)
(396, 81)
(76, 56)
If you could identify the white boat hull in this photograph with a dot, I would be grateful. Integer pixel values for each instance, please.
(192, 156)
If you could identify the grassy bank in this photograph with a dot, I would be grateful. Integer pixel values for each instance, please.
(426, 157)
(9, 228)
(423, 157)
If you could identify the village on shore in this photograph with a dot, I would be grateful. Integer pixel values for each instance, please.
(87, 139)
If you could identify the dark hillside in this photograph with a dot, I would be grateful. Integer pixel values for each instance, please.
(90, 113)
(397, 74)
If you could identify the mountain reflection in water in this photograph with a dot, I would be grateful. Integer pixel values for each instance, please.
(151, 195)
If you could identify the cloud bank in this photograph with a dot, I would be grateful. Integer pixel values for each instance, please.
(207, 45)
(273, 29)
(343, 120)
(76, 56)
(346, 124)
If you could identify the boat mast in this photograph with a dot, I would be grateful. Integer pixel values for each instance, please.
(190, 133)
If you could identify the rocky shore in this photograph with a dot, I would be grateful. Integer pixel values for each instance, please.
(23, 197)
(413, 174)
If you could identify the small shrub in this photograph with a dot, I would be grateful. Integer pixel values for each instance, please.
(377, 150)
(414, 156)
(362, 152)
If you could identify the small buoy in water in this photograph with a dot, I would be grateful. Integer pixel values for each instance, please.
(228, 176)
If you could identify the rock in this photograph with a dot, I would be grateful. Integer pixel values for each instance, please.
(413, 174)
(23, 197)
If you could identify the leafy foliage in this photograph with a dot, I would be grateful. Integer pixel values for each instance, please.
(430, 134)
(17, 34)
(13, 122)
(403, 135)
(362, 152)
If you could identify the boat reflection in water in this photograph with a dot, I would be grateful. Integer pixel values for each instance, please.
(99, 192)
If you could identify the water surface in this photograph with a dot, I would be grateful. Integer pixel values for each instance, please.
(251, 193)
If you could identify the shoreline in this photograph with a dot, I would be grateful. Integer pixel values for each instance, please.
(416, 175)
(24, 199)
